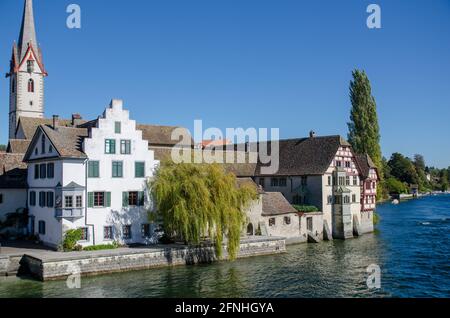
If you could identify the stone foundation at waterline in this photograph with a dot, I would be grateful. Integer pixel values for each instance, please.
(62, 266)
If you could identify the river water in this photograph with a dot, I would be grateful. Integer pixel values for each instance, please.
(411, 246)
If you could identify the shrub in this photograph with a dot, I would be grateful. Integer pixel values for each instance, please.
(71, 238)
(306, 208)
(112, 246)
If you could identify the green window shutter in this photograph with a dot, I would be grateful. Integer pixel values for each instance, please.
(90, 199)
(107, 199)
(125, 199)
(141, 197)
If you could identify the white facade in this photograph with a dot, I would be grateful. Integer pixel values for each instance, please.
(11, 200)
(94, 198)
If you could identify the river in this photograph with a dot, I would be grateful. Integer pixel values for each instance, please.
(411, 246)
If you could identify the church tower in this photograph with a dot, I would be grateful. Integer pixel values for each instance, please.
(26, 75)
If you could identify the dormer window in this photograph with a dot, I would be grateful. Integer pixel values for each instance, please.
(30, 66)
(30, 86)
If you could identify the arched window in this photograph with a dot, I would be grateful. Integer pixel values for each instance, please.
(30, 86)
(250, 230)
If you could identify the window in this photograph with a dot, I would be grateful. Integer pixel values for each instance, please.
(125, 147)
(145, 229)
(42, 199)
(41, 227)
(110, 146)
(50, 170)
(43, 144)
(79, 201)
(346, 199)
(50, 199)
(348, 164)
(32, 198)
(133, 198)
(108, 233)
(341, 180)
(139, 169)
(287, 220)
(30, 86)
(274, 182)
(13, 86)
(355, 180)
(36, 171)
(36, 151)
(330, 199)
(1, 198)
(272, 222)
(84, 234)
(93, 169)
(262, 182)
(117, 169)
(43, 171)
(117, 127)
(368, 185)
(50, 148)
(309, 224)
(354, 198)
(99, 199)
(338, 163)
(283, 182)
(304, 181)
(347, 180)
(127, 232)
(338, 199)
(68, 201)
(334, 180)
(30, 66)
(329, 180)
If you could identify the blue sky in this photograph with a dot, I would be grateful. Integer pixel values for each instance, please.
(247, 63)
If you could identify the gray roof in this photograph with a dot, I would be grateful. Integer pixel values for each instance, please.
(365, 163)
(13, 171)
(305, 156)
(274, 203)
(30, 124)
(27, 31)
(66, 141)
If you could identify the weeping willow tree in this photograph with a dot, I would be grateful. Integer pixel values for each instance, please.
(201, 200)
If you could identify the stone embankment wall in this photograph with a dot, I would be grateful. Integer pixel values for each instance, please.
(109, 262)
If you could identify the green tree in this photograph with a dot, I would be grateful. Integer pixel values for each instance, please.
(403, 169)
(199, 200)
(2, 148)
(364, 130)
(395, 186)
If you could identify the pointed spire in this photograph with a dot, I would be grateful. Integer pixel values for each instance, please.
(27, 31)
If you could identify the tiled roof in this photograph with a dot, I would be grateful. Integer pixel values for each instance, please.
(29, 124)
(18, 146)
(365, 163)
(249, 181)
(67, 141)
(306, 156)
(274, 203)
(13, 171)
(162, 135)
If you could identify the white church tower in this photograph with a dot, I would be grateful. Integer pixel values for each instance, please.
(26, 74)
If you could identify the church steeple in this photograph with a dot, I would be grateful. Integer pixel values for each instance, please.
(27, 34)
(27, 73)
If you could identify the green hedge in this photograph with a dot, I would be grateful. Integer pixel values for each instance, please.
(306, 208)
(101, 247)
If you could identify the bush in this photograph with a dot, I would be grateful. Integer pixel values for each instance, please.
(71, 239)
(395, 186)
(306, 208)
(376, 218)
(112, 246)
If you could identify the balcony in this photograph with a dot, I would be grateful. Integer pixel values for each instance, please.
(69, 213)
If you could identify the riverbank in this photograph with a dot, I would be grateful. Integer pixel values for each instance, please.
(48, 265)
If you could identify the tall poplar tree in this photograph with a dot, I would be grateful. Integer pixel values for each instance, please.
(364, 131)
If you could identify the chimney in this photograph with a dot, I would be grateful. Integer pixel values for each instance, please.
(312, 134)
(76, 118)
(116, 104)
(55, 121)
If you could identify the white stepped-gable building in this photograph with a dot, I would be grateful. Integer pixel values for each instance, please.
(92, 178)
